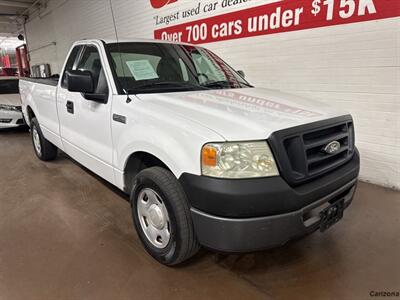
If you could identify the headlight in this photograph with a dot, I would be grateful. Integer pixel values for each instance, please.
(238, 160)
(10, 107)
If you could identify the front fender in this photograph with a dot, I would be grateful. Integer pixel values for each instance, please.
(162, 154)
(175, 141)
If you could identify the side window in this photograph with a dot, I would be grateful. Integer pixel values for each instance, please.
(70, 64)
(90, 61)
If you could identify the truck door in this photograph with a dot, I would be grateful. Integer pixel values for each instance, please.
(85, 124)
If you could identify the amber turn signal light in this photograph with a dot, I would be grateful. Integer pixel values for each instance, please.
(209, 156)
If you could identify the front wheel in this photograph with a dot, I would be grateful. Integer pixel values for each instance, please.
(162, 217)
(44, 150)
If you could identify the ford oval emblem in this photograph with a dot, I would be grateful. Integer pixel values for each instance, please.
(332, 147)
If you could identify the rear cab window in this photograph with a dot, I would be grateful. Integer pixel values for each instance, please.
(70, 64)
(87, 58)
(90, 61)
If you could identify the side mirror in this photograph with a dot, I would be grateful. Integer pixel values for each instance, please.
(241, 73)
(80, 81)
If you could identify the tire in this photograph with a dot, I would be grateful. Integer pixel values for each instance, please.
(44, 150)
(182, 243)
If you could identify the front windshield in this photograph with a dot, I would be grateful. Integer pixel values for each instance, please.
(159, 68)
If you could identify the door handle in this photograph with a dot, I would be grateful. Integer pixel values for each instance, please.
(70, 107)
(119, 118)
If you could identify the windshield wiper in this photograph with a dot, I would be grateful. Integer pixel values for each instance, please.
(224, 84)
(247, 84)
(167, 85)
(220, 84)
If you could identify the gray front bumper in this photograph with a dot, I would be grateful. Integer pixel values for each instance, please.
(253, 234)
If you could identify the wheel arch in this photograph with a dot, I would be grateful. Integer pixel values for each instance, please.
(30, 114)
(137, 162)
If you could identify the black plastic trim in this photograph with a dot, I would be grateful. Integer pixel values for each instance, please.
(255, 234)
(290, 152)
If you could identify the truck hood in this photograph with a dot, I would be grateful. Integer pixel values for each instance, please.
(10, 99)
(242, 114)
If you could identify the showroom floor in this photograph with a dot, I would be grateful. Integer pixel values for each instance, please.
(66, 234)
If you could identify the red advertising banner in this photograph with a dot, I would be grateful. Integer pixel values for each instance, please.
(6, 61)
(161, 3)
(277, 17)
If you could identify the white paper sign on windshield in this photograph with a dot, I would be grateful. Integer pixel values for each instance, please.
(142, 69)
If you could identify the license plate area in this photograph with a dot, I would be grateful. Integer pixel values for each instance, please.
(331, 215)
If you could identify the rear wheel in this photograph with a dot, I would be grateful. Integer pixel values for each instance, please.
(162, 217)
(44, 150)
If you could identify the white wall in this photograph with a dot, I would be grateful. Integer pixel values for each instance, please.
(355, 67)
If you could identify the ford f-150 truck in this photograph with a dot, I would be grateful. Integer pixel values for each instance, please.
(207, 159)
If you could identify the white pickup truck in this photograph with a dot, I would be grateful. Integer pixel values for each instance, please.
(206, 158)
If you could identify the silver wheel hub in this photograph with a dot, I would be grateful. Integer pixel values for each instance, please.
(36, 140)
(154, 218)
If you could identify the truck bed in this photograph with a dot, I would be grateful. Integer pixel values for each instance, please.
(47, 81)
(40, 96)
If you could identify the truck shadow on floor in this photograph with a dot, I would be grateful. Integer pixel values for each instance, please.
(10, 131)
(63, 156)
